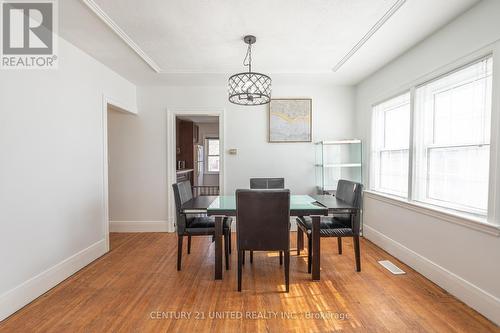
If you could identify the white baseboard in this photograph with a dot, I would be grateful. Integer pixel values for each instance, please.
(171, 224)
(139, 226)
(480, 300)
(19, 296)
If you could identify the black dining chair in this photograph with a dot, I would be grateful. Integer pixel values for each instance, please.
(262, 184)
(338, 225)
(267, 183)
(263, 225)
(194, 225)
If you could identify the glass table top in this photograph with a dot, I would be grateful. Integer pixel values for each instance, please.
(297, 202)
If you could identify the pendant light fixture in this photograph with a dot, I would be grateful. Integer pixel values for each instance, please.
(249, 88)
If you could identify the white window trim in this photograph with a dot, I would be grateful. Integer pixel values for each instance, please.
(205, 153)
(491, 223)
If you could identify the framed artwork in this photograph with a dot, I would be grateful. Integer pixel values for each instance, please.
(290, 120)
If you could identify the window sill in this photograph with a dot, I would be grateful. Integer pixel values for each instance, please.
(469, 221)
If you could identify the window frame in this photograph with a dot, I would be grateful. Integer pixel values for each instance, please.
(428, 147)
(395, 149)
(447, 204)
(473, 219)
(206, 153)
(387, 191)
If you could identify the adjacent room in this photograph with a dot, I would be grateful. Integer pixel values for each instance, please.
(263, 166)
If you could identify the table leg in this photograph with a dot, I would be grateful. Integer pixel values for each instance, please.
(218, 247)
(316, 252)
(300, 240)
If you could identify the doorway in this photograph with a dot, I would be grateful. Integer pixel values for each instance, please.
(198, 153)
(118, 123)
(195, 151)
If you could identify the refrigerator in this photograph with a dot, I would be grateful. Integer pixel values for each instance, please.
(199, 157)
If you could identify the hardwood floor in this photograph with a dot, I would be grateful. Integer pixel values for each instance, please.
(136, 288)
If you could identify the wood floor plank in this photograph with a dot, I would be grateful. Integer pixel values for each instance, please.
(136, 288)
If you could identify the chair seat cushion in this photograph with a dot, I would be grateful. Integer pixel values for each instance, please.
(207, 222)
(337, 232)
(329, 226)
(344, 219)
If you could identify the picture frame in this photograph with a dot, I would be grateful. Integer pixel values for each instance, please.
(290, 120)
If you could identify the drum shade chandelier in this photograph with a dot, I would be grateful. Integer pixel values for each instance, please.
(249, 88)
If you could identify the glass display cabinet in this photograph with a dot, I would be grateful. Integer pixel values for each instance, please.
(337, 160)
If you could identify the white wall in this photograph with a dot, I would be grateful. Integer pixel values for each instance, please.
(464, 261)
(132, 139)
(246, 128)
(52, 207)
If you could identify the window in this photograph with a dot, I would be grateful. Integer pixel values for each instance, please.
(213, 156)
(450, 141)
(390, 146)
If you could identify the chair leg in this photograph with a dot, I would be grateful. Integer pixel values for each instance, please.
(287, 270)
(230, 236)
(179, 252)
(241, 256)
(226, 249)
(300, 240)
(189, 244)
(309, 253)
(281, 258)
(339, 241)
(357, 253)
(251, 257)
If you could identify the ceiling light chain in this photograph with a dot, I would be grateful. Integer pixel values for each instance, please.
(249, 57)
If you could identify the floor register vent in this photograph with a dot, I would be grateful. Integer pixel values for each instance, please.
(391, 267)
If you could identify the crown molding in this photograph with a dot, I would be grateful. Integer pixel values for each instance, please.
(120, 33)
(370, 33)
(94, 7)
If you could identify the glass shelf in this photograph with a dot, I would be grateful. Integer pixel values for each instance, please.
(337, 160)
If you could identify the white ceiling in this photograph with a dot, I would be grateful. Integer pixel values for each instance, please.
(191, 40)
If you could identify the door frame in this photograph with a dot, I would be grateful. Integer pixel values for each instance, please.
(172, 113)
(108, 102)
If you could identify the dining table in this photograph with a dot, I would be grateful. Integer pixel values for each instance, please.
(314, 206)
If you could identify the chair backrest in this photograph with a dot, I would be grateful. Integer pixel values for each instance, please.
(263, 219)
(349, 192)
(267, 183)
(182, 193)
